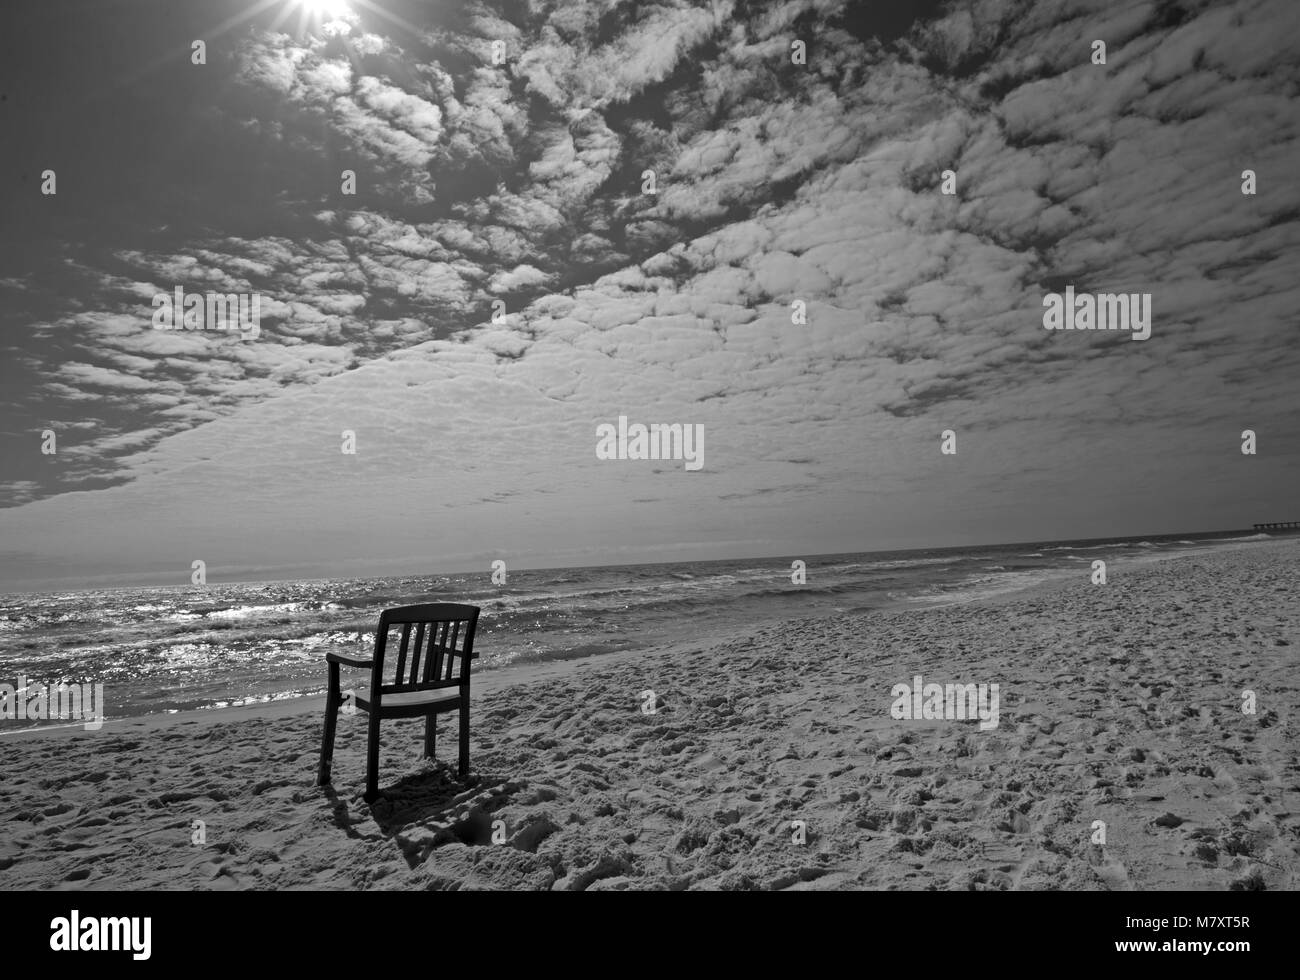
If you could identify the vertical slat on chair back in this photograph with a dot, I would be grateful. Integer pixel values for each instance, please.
(451, 659)
(432, 663)
(435, 659)
(401, 653)
(415, 657)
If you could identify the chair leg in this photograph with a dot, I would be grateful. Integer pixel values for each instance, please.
(430, 736)
(372, 759)
(331, 721)
(464, 737)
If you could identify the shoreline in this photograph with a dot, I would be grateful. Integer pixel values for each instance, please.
(502, 678)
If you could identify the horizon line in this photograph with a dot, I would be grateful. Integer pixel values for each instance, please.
(51, 587)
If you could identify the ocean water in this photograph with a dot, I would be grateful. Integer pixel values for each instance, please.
(171, 649)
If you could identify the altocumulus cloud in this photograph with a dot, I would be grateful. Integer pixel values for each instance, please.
(776, 183)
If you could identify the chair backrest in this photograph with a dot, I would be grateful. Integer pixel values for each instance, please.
(437, 644)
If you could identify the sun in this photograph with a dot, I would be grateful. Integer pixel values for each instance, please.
(323, 17)
(337, 17)
(327, 9)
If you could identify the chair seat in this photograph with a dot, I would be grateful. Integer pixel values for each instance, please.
(412, 702)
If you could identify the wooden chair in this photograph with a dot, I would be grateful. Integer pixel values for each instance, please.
(425, 681)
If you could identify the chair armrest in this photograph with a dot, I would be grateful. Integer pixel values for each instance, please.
(351, 660)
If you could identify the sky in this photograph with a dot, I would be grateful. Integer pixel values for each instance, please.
(500, 153)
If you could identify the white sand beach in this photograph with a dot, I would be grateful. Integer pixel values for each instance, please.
(771, 762)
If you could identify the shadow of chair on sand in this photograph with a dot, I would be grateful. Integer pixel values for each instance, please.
(424, 810)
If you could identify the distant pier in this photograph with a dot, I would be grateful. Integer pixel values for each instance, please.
(1276, 527)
